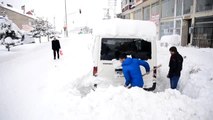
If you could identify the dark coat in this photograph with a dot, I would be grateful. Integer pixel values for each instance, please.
(56, 44)
(175, 65)
(132, 72)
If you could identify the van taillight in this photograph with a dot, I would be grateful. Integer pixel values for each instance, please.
(155, 72)
(95, 70)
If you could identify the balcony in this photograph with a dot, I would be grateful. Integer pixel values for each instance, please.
(128, 6)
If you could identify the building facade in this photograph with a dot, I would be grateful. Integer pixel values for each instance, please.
(23, 21)
(191, 19)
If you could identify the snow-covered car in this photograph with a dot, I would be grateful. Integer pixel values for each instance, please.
(112, 37)
(28, 38)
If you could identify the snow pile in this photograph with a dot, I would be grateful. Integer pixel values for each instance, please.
(121, 28)
(170, 40)
(197, 74)
(8, 40)
(120, 103)
(196, 77)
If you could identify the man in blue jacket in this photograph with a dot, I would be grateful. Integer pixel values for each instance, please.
(132, 72)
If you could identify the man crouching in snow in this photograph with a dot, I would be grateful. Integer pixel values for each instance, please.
(132, 72)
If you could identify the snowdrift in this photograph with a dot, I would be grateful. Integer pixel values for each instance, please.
(174, 40)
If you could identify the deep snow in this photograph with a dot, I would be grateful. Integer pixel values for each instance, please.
(35, 87)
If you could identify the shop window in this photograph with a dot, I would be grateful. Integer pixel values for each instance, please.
(187, 6)
(178, 27)
(204, 5)
(138, 15)
(166, 28)
(146, 13)
(179, 7)
(155, 9)
(167, 8)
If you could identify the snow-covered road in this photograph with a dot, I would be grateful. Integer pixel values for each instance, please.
(35, 87)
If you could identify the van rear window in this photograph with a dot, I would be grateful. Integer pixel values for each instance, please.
(111, 48)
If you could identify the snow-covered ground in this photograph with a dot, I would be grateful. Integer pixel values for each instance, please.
(35, 87)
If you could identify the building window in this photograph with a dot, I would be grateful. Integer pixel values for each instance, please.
(179, 7)
(155, 13)
(131, 1)
(155, 9)
(203, 32)
(168, 8)
(127, 16)
(204, 5)
(187, 6)
(138, 15)
(146, 13)
(166, 28)
(178, 27)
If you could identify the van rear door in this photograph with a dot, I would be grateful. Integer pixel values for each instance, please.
(111, 48)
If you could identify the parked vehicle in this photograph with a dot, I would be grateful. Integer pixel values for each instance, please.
(113, 37)
(28, 38)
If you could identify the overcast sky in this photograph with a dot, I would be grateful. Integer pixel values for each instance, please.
(91, 10)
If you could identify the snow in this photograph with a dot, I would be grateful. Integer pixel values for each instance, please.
(35, 87)
(124, 28)
(170, 40)
(8, 40)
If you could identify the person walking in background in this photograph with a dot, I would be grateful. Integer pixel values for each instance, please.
(175, 67)
(56, 47)
(132, 72)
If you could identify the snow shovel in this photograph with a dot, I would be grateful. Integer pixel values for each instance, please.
(154, 82)
(152, 70)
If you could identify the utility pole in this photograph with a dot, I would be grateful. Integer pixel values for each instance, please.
(66, 26)
(54, 23)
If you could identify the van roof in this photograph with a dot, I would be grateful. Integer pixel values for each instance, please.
(125, 28)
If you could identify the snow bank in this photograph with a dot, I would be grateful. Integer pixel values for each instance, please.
(124, 28)
(119, 103)
(196, 79)
(8, 40)
(174, 40)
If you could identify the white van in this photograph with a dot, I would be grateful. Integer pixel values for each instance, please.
(115, 36)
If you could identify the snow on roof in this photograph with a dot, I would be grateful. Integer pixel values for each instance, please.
(120, 28)
(17, 11)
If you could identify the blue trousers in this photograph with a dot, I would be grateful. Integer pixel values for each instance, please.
(174, 81)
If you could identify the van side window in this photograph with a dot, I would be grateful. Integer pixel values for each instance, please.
(111, 48)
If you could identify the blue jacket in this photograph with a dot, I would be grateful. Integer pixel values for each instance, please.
(132, 72)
